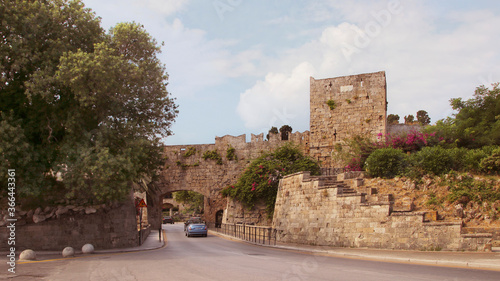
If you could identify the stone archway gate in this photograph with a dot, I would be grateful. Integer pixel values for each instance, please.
(186, 168)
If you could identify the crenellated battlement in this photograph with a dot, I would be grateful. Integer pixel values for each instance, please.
(190, 155)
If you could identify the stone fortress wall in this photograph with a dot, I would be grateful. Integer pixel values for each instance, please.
(190, 171)
(358, 107)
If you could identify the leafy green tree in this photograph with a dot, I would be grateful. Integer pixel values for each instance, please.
(82, 112)
(477, 122)
(393, 119)
(273, 130)
(193, 199)
(409, 119)
(259, 182)
(423, 117)
(284, 130)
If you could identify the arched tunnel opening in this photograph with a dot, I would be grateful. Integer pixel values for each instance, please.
(183, 204)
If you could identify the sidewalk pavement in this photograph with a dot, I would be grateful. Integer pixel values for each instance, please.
(476, 260)
(152, 242)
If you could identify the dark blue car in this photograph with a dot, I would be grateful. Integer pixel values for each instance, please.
(196, 229)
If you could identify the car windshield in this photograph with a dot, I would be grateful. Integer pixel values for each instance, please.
(197, 225)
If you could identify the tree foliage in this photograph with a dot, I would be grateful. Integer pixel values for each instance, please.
(423, 118)
(477, 122)
(409, 119)
(193, 199)
(259, 182)
(273, 130)
(392, 119)
(82, 111)
(386, 163)
(284, 130)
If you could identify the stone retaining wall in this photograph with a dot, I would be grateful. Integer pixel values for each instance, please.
(104, 227)
(310, 212)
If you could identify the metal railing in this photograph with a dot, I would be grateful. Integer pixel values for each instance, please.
(143, 234)
(257, 234)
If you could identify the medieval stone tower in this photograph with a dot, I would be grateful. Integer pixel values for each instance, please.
(344, 107)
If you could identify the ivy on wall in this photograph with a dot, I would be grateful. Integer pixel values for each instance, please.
(189, 152)
(214, 155)
(231, 154)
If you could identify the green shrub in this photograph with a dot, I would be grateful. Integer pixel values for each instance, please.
(491, 164)
(466, 189)
(466, 160)
(386, 163)
(432, 160)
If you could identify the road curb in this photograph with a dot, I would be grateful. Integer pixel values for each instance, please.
(79, 254)
(378, 257)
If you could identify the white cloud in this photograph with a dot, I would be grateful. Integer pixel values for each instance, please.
(425, 65)
(196, 62)
(163, 7)
(278, 100)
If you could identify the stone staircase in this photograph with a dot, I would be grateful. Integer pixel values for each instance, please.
(343, 190)
(368, 195)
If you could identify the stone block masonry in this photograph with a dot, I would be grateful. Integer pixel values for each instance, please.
(344, 107)
(308, 211)
(104, 227)
(186, 169)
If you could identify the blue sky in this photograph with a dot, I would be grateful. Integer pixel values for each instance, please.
(240, 66)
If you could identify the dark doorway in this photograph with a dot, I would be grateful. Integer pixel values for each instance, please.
(218, 218)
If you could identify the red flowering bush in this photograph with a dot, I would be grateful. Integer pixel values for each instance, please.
(411, 142)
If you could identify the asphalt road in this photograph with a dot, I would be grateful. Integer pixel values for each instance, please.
(215, 258)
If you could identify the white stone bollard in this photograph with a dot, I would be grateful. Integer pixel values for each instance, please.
(68, 252)
(88, 249)
(27, 255)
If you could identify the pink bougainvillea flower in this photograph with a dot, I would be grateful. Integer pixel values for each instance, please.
(253, 188)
